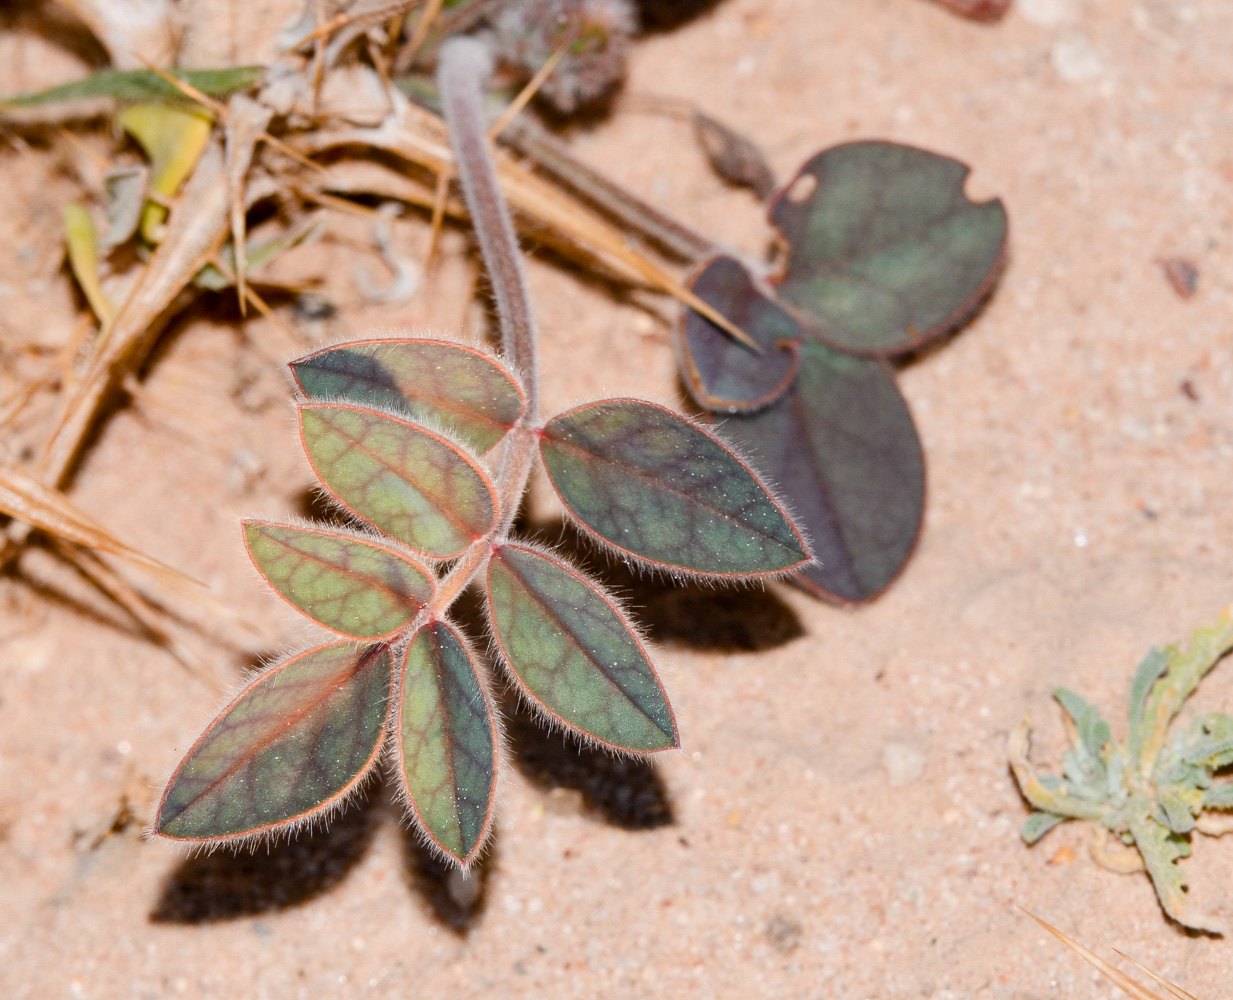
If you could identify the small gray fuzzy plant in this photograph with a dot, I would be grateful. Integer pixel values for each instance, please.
(1154, 792)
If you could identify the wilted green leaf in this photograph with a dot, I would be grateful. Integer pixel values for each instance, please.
(575, 653)
(721, 373)
(1149, 671)
(408, 481)
(82, 241)
(293, 743)
(842, 447)
(432, 380)
(174, 139)
(1219, 797)
(143, 85)
(447, 742)
(1185, 667)
(656, 487)
(1038, 824)
(1161, 850)
(353, 585)
(885, 251)
(1093, 731)
(1214, 748)
(1176, 811)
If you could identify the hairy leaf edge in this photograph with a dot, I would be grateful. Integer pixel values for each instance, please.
(671, 570)
(321, 814)
(498, 362)
(550, 719)
(441, 435)
(382, 542)
(393, 751)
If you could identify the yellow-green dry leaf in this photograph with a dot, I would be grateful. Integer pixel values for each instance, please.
(82, 241)
(174, 139)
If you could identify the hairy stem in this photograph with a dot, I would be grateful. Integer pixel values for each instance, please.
(463, 66)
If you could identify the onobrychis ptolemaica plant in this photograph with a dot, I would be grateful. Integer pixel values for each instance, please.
(429, 446)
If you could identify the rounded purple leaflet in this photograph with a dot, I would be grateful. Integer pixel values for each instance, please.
(722, 374)
(843, 447)
(661, 490)
(351, 584)
(292, 744)
(410, 482)
(445, 738)
(574, 653)
(884, 250)
(434, 381)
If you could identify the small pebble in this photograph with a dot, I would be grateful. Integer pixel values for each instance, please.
(903, 764)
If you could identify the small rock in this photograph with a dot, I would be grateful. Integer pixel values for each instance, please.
(1076, 60)
(563, 802)
(1047, 13)
(1063, 856)
(1181, 274)
(243, 471)
(903, 764)
(783, 933)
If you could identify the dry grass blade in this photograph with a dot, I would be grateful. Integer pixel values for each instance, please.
(28, 500)
(529, 91)
(138, 606)
(422, 27)
(1130, 987)
(246, 123)
(1158, 979)
(529, 195)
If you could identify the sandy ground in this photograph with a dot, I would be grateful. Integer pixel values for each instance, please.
(841, 823)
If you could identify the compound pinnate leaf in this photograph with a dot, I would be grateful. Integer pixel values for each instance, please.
(406, 480)
(433, 380)
(355, 586)
(658, 488)
(721, 373)
(447, 742)
(293, 743)
(575, 653)
(841, 444)
(885, 251)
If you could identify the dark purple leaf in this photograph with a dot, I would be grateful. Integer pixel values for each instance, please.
(843, 450)
(884, 249)
(721, 373)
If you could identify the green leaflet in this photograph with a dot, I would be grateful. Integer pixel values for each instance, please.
(658, 488)
(885, 252)
(434, 381)
(143, 85)
(446, 742)
(574, 652)
(408, 481)
(355, 586)
(292, 744)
